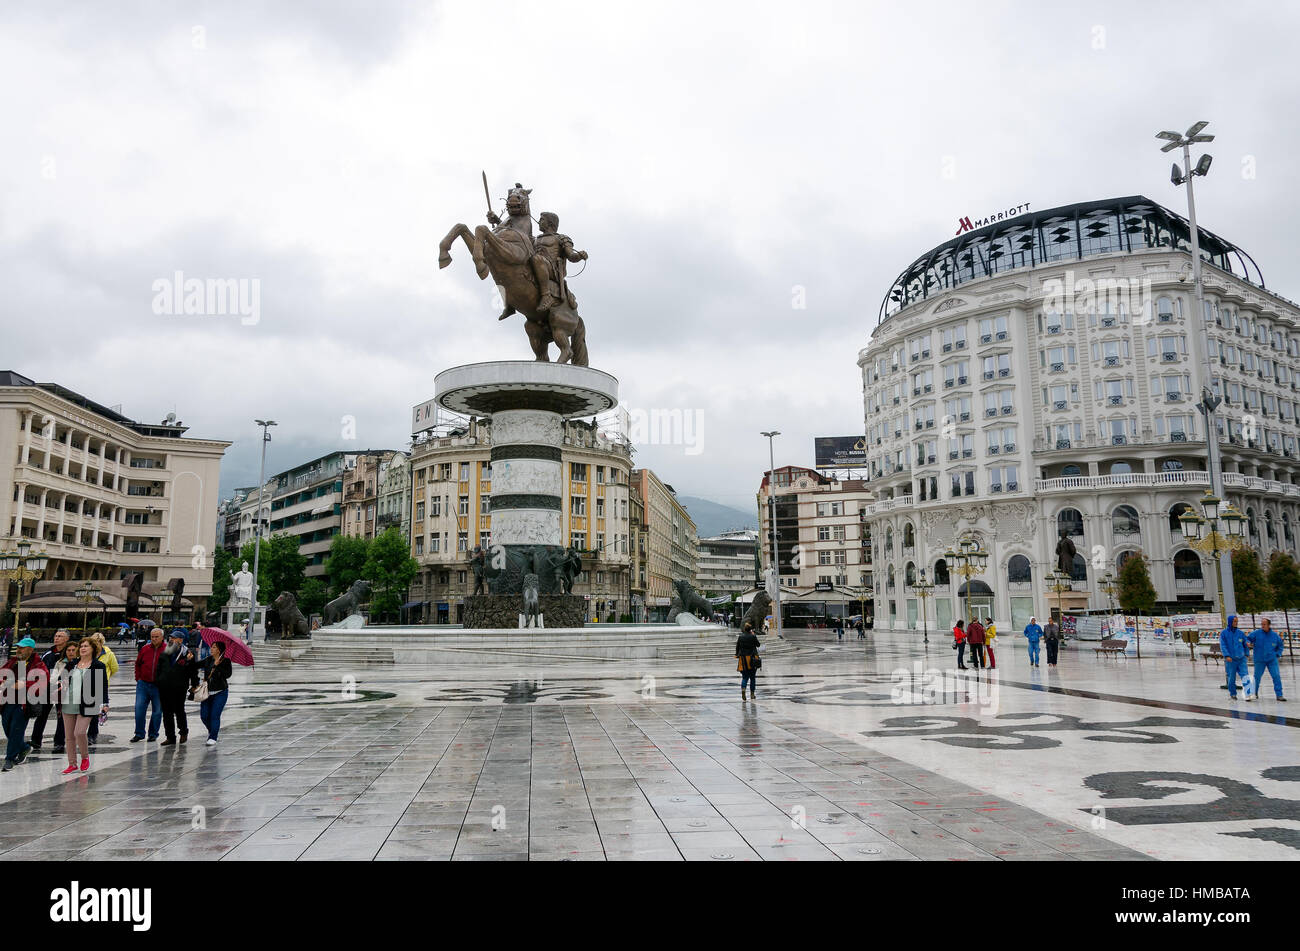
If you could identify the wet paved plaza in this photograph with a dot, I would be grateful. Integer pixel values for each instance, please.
(849, 753)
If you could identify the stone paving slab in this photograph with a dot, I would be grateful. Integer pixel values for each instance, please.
(823, 767)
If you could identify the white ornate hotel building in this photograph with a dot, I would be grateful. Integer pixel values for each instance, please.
(1039, 375)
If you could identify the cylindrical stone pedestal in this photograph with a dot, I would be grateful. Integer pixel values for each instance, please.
(527, 402)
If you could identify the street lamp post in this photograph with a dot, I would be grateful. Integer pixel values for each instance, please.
(86, 594)
(1060, 584)
(1209, 401)
(771, 500)
(1204, 535)
(924, 590)
(1108, 587)
(968, 558)
(266, 424)
(20, 566)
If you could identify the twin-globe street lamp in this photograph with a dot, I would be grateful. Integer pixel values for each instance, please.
(87, 594)
(924, 590)
(20, 566)
(1203, 534)
(968, 559)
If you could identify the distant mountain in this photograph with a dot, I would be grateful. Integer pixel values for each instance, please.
(714, 519)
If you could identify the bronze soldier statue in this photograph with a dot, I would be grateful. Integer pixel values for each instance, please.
(552, 250)
(1065, 552)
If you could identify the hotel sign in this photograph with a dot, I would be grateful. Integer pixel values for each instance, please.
(839, 452)
(965, 223)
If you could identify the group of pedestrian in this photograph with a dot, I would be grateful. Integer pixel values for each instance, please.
(1266, 646)
(168, 674)
(1051, 637)
(71, 682)
(980, 639)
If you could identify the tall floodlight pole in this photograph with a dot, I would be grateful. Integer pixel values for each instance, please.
(771, 508)
(266, 424)
(1209, 400)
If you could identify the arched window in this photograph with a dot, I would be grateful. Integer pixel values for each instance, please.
(1178, 509)
(941, 572)
(889, 579)
(1120, 468)
(1071, 470)
(909, 574)
(1120, 559)
(1286, 527)
(1124, 521)
(1268, 527)
(889, 539)
(909, 536)
(1079, 572)
(1071, 520)
(58, 573)
(1250, 523)
(1018, 569)
(1187, 567)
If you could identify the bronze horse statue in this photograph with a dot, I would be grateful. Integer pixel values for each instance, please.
(506, 253)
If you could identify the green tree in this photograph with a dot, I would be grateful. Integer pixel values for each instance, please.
(312, 596)
(1137, 595)
(281, 567)
(390, 569)
(1284, 578)
(223, 563)
(1249, 583)
(346, 561)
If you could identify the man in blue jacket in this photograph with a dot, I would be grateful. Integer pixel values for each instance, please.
(1267, 645)
(1232, 644)
(1034, 633)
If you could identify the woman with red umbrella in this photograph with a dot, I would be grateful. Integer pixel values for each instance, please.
(215, 689)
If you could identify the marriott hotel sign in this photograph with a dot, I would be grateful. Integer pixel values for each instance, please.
(965, 223)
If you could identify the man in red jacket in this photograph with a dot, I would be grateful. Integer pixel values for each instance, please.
(146, 685)
(975, 638)
(24, 687)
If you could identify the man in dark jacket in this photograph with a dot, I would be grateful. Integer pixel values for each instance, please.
(24, 687)
(747, 659)
(147, 696)
(49, 659)
(1052, 640)
(178, 671)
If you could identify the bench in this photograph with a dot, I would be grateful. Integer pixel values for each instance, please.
(1212, 654)
(1112, 646)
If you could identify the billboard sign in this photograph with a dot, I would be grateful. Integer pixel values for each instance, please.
(840, 452)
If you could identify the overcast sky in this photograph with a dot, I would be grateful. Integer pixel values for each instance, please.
(711, 157)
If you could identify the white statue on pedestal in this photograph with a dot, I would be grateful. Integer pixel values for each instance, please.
(242, 584)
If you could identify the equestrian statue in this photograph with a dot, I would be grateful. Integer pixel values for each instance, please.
(530, 272)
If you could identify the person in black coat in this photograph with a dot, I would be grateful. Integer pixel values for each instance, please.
(216, 675)
(178, 671)
(747, 659)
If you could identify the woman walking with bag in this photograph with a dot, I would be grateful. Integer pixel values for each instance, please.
(747, 659)
(83, 695)
(213, 692)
